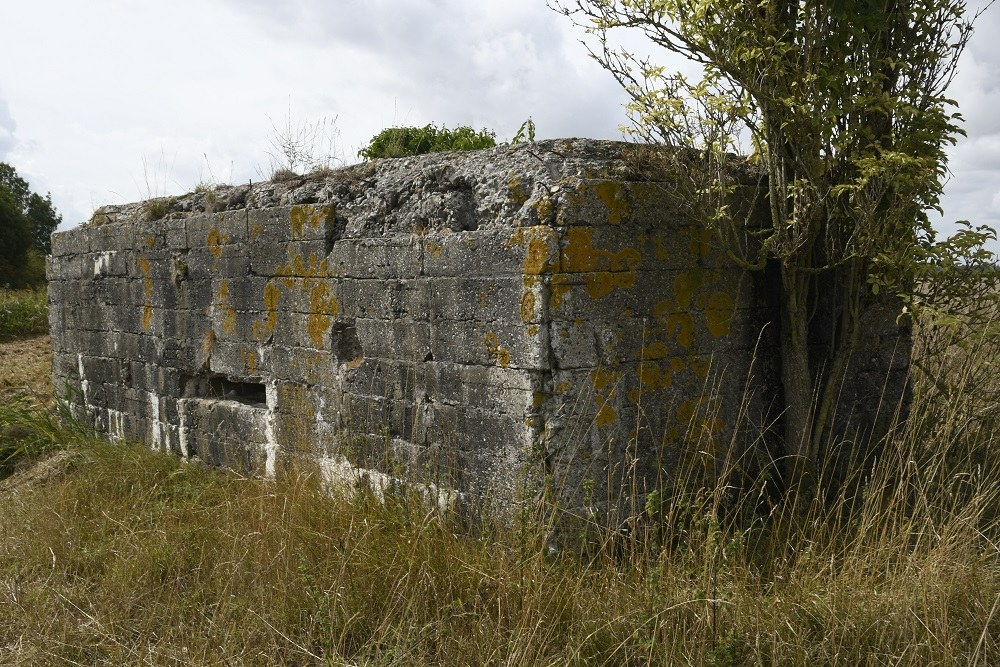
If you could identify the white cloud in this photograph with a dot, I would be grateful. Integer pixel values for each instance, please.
(191, 88)
(7, 128)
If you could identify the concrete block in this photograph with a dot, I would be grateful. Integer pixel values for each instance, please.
(378, 258)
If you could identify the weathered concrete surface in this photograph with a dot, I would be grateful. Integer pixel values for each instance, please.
(487, 321)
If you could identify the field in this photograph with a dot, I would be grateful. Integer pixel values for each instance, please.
(116, 555)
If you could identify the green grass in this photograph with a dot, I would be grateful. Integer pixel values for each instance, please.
(23, 313)
(128, 557)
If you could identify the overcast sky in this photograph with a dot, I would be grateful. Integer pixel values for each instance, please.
(107, 102)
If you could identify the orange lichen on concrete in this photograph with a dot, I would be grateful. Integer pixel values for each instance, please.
(719, 314)
(607, 270)
(307, 214)
(602, 378)
(499, 353)
(250, 359)
(228, 313)
(601, 284)
(147, 293)
(544, 208)
(561, 284)
(527, 306)
(323, 307)
(612, 195)
(654, 350)
(262, 329)
(681, 327)
(518, 193)
(540, 248)
(660, 253)
(606, 416)
(686, 284)
(215, 240)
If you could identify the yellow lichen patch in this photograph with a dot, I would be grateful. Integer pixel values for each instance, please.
(298, 219)
(322, 309)
(433, 248)
(215, 240)
(677, 364)
(538, 241)
(660, 253)
(719, 314)
(307, 214)
(681, 326)
(651, 378)
(228, 314)
(150, 241)
(602, 377)
(250, 360)
(499, 353)
(560, 286)
(685, 412)
(355, 362)
(603, 283)
(527, 306)
(685, 286)
(580, 256)
(562, 387)
(654, 350)
(543, 208)
(538, 258)
(256, 231)
(518, 193)
(612, 195)
(537, 398)
(147, 293)
(262, 329)
(700, 367)
(606, 416)
(649, 375)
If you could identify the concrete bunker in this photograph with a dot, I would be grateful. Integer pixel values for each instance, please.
(485, 321)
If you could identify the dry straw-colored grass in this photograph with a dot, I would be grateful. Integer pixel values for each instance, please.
(127, 557)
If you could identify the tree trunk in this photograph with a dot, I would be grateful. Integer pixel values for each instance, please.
(797, 381)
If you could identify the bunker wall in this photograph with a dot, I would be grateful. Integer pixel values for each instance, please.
(486, 322)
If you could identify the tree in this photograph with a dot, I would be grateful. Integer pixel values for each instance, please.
(15, 240)
(844, 105)
(27, 221)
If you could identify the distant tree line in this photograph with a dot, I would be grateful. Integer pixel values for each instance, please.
(27, 221)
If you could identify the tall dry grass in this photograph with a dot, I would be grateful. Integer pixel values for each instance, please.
(23, 313)
(125, 557)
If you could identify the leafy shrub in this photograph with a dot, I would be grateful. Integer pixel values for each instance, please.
(406, 141)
